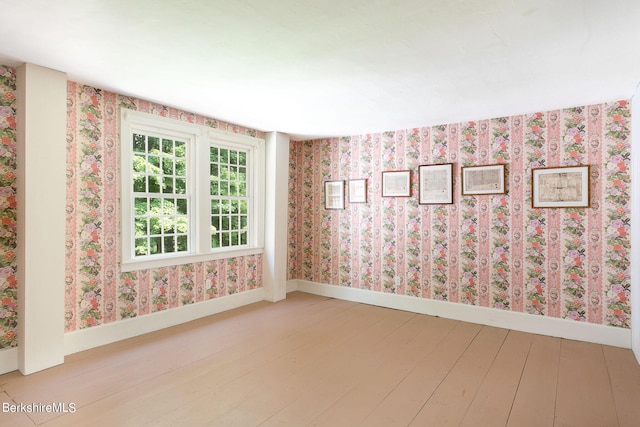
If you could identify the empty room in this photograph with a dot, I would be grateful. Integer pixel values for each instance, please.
(374, 213)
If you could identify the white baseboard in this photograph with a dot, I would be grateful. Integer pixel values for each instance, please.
(292, 286)
(550, 326)
(8, 360)
(85, 339)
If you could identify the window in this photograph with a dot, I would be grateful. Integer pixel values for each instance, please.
(189, 193)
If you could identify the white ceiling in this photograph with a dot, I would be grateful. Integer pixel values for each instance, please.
(336, 67)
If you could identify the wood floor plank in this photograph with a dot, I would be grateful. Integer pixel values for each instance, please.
(212, 382)
(402, 404)
(455, 394)
(584, 395)
(494, 399)
(345, 366)
(624, 374)
(534, 403)
(310, 360)
(398, 356)
(13, 419)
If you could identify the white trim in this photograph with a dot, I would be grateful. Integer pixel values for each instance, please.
(274, 272)
(569, 329)
(198, 138)
(635, 224)
(8, 360)
(87, 338)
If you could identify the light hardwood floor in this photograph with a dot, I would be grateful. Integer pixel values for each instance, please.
(311, 360)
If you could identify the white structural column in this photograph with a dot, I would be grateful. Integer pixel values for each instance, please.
(635, 224)
(276, 208)
(42, 107)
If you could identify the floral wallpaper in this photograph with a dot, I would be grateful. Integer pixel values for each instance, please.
(489, 251)
(8, 214)
(96, 291)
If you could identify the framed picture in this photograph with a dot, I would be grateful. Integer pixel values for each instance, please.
(561, 187)
(436, 184)
(487, 179)
(334, 194)
(357, 191)
(396, 184)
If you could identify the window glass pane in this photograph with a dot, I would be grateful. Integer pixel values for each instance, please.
(215, 241)
(235, 222)
(233, 157)
(182, 244)
(181, 149)
(181, 186)
(153, 144)
(242, 158)
(224, 225)
(215, 223)
(141, 228)
(167, 166)
(140, 204)
(242, 189)
(243, 207)
(155, 244)
(213, 154)
(181, 208)
(155, 226)
(167, 185)
(156, 205)
(213, 188)
(213, 170)
(154, 164)
(181, 168)
(243, 238)
(235, 238)
(169, 244)
(141, 247)
(243, 222)
(224, 155)
(139, 144)
(234, 206)
(242, 174)
(139, 184)
(233, 188)
(168, 225)
(215, 207)
(139, 164)
(167, 147)
(154, 184)
(224, 172)
(224, 241)
(182, 225)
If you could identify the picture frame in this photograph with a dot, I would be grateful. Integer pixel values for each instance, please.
(334, 194)
(484, 179)
(396, 183)
(357, 190)
(561, 187)
(435, 183)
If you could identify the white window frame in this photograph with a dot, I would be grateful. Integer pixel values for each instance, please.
(199, 139)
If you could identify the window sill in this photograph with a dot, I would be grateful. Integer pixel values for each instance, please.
(169, 261)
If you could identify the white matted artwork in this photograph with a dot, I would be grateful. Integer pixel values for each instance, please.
(357, 190)
(436, 184)
(561, 187)
(486, 179)
(396, 184)
(334, 194)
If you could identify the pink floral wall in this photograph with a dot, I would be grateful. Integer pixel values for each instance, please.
(487, 251)
(97, 292)
(8, 214)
